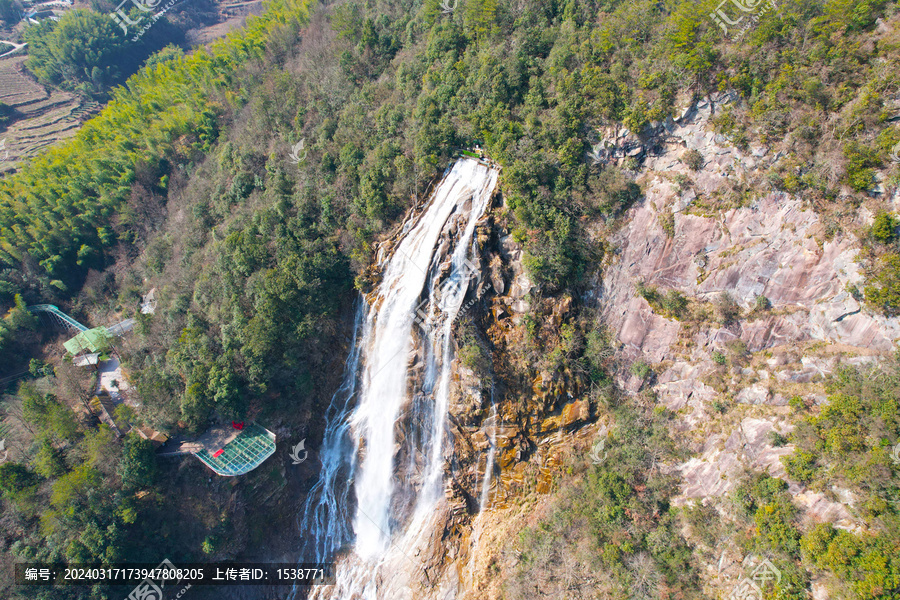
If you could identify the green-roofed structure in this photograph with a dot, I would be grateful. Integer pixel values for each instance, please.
(92, 340)
(241, 454)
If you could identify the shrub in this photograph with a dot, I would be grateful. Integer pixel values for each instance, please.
(800, 466)
(641, 369)
(777, 439)
(884, 228)
(727, 310)
(774, 522)
(667, 222)
(598, 352)
(674, 303)
(719, 357)
(883, 291)
(648, 293)
(693, 160)
(473, 357)
(210, 545)
(861, 162)
(613, 192)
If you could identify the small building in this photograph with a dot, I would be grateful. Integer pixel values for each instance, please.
(87, 360)
(157, 438)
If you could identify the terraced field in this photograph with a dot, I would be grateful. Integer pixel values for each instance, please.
(45, 115)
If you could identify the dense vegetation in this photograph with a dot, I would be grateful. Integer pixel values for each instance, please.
(83, 47)
(89, 52)
(610, 529)
(533, 86)
(6, 112)
(68, 209)
(848, 443)
(9, 12)
(185, 183)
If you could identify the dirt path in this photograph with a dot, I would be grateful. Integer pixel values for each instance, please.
(16, 48)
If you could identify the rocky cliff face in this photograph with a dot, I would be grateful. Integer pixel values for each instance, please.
(760, 279)
(774, 247)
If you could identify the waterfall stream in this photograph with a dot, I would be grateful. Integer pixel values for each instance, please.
(387, 448)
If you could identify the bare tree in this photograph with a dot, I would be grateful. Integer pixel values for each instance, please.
(75, 384)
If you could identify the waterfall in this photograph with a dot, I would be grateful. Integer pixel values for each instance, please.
(478, 525)
(489, 461)
(331, 493)
(401, 340)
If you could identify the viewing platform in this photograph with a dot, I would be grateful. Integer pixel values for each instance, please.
(228, 451)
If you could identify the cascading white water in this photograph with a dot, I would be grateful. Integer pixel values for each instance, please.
(478, 529)
(492, 453)
(383, 532)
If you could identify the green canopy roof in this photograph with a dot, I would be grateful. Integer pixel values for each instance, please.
(92, 340)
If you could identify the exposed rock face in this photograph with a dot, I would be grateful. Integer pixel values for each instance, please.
(674, 239)
(767, 249)
(774, 247)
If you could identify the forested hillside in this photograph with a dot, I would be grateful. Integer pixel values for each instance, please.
(193, 181)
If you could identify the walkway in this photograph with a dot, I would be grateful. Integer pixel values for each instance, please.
(57, 315)
(16, 48)
(61, 318)
(121, 328)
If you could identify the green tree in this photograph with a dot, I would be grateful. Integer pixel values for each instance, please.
(15, 478)
(9, 12)
(138, 467)
(170, 52)
(49, 461)
(882, 291)
(83, 47)
(20, 318)
(884, 228)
